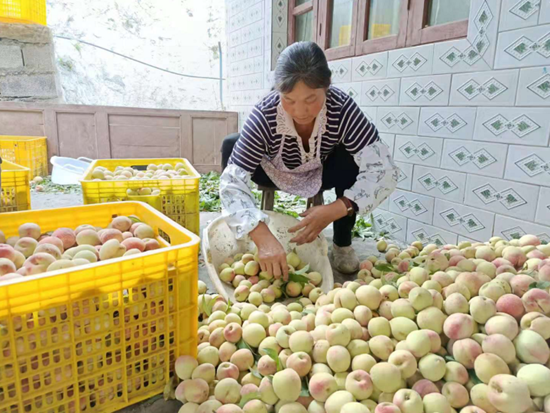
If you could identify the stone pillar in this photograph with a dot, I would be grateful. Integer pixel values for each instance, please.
(27, 66)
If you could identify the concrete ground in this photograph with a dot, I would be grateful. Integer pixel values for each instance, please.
(40, 200)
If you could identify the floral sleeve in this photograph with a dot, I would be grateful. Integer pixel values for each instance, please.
(238, 203)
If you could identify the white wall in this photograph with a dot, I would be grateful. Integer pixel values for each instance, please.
(470, 131)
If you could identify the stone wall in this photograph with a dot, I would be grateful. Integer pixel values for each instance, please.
(27, 66)
(468, 123)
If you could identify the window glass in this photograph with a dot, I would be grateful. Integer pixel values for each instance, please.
(340, 32)
(304, 27)
(448, 11)
(383, 18)
(300, 2)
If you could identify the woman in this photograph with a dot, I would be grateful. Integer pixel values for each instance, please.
(303, 137)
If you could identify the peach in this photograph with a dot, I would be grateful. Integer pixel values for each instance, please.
(458, 326)
(359, 384)
(424, 387)
(53, 240)
(356, 347)
(465, 351)
(233, 332)
(67, 237)
(536, 300)
(488, 365)
(379, 326)
(456, 372)
(287, 385)
(418, 343)
(10, 276)
(144, 231)
(405, 288)
(26, 246)
(301, 341)
(520, 284)
(420, 298)
(387, 407)
(402, 307)
(381, 347)
(267, 394)
(7, 251)
(227, 391)
(38, 263)
(321, 386)
(515, 256)
(338, 334)
(337, 401)
(473, 281)
(6, 266)
(500, 324)
(49, 249)
(482, 309)
(151, 244)
(267, 366)
(11, 241)
(537, 378)
(363, 362)
(110, 233)
(405, 362)
(241, 293)
(511, 304)
(531, 347)
(431, 318)
(363, 315)
(408, 401)
(386, 377)
(206, 371)
(338, 358)
(253, 334)
(300, 362)
(432, 367)
(227, 370)
(30, 230)
(87, 255)
(492, 290)
(455, 303)
(369, 296)
(354, 407)
(536, 322)
(436, 403)
(122, 223)
(509, 394)
(501, 346)
(111, 249)
(456, 288)
(243, 359)
(133, 243)
(88, 237)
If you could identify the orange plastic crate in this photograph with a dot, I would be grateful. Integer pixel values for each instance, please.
(100, 337)
(23, 11)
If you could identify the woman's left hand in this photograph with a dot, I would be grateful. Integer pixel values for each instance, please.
(317, 219)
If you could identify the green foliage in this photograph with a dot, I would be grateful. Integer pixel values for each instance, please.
(49, 187)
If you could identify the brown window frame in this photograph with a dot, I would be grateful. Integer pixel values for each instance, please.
(381, 44)
(294, 11)
(413, 29)
(420, 33)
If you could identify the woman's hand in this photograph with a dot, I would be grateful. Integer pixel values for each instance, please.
(270, 251)
(316, 219)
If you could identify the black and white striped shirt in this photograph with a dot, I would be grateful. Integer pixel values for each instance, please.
(346, 124)
(341, 122)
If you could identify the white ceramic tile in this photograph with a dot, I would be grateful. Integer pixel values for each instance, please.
(467, 221)
(341, 70)
(484, 88)
(523, 48)
(502, 197)
(371, 112)
(529, 165)
(483, 27)
(474, 157)
(457, 56)
(534, 87)
(389, 140)
(425, 91)
(380, 92)
(521, 126)
(372, 66)
(402, 120)
(447, 122)
(352, 89)
(405, 176)
(516, 14)
(510, 228)
(412, 61)
(395, 225)
(544, 12)
(418, 150)
(279, 11)
(543, 208)
(439, 183)
(411, 205)
(385, 205)
(428, 234)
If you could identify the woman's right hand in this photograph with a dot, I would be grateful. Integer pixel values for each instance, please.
(271, 253)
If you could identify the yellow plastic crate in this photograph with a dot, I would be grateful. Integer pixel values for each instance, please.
(23, 11)
(103, 336)
(180, 197)
(16, 189)
(28, 151)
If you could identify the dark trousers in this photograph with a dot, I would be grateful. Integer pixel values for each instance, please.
(339, 172)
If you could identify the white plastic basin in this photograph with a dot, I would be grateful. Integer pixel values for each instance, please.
(68, 171)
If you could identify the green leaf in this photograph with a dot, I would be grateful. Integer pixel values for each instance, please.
(209, 306)
(449, 358)
(242, 345)
(298, 278)
(303, 271)
(305, 388)
(542, 285)
(385, 267)
(273, 354)
(134, 219)
(255, 373)
(250, 396)
(474, 377)
(169, 390)
(306, 312)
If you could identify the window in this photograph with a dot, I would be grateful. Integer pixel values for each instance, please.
(345, 28)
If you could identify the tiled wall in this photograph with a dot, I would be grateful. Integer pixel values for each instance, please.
(467, 121)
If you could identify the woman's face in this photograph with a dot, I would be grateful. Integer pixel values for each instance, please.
(303, 104)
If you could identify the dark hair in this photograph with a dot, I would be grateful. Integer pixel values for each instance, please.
(302, 61)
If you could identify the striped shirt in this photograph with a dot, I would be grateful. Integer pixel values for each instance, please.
(345, 124)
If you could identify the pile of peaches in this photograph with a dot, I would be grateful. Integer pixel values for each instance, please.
(33, 252)
(428, 329)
